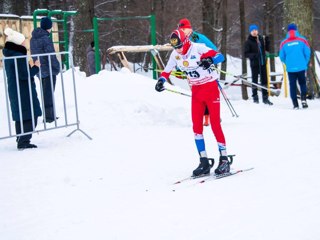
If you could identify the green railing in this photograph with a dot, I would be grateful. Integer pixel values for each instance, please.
(152, 20)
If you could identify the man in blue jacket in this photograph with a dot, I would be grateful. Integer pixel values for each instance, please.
(295, 54)
(41, 43)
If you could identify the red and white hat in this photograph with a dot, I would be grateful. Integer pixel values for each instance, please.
(184, 23)
(179, 40)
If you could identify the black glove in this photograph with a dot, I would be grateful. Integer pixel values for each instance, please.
(205, 63)
(159, 86)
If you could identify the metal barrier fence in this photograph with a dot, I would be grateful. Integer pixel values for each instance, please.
(64, 102)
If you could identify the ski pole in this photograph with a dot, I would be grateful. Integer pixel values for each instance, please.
(177, 92)
(231, 108)
(274, 91)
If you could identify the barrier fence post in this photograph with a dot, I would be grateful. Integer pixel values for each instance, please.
(4, 103)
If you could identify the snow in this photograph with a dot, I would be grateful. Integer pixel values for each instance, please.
(120, 184)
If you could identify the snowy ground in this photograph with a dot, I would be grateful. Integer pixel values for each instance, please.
(120, 184)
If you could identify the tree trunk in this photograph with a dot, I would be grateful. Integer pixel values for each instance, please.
(243, 39)
(208, 19)
(224, 37)
(269, 32)
(81, 40)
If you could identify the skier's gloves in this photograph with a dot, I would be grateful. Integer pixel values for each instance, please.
(205, 63)
(159, 86)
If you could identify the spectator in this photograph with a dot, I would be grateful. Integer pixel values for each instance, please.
(295, 54)
(14, 47)
(91, 59)
(41, 43)
(255, 49)
(185, 26)
(195, 60)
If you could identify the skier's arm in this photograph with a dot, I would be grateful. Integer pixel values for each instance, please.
(209, 57)
(165, 74)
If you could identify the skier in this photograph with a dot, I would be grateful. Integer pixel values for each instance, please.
(195, 60)
(185, 26)
(295, 53)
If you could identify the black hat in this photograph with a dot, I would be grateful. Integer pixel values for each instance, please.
(46, 23)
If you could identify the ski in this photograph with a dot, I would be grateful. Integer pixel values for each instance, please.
(191, 178)
(204, 175)
(214, 176)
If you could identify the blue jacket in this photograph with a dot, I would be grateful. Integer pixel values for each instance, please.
(295, 52)
(41, 43)
(200, 38)
(11, 50)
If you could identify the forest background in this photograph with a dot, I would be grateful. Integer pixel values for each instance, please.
(225, 22)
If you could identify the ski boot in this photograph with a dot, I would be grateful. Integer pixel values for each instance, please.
(224, 165)
(204, 167)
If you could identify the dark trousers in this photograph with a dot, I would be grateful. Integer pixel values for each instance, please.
(48, 96)
(262, 70)
(27, 127)
(301, 77)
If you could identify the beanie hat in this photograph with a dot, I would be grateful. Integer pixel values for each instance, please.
(46, 23)
(184, 23)
(253, 27)
(14, 36)
(292, 26)
(179, 40)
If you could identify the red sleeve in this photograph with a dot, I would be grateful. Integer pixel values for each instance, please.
(210, 53)
(165, 75)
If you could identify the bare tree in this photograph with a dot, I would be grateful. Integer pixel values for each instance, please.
(224, 37)
(269, 33)
(81, 39)
(243, 39)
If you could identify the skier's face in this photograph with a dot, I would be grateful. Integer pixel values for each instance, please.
(186, 31)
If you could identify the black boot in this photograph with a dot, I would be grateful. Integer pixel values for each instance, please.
(255, 99)
(26, 145)
(224, 165)
(295, 104)
(304, 102)
(267, 101)
(203, 168)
